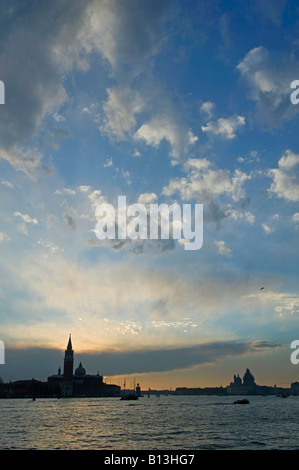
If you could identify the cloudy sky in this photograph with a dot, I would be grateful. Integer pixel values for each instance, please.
(161, 102)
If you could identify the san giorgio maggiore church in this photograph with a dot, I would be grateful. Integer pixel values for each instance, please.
(79, 383)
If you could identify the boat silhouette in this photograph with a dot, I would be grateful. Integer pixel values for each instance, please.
(129, 396)
(243, 401)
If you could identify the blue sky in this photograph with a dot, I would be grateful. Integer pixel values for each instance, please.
(160, 101)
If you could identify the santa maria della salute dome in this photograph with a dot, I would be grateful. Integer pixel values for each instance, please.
(248, 379)
(79, 383)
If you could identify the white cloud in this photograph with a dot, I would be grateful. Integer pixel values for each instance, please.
(108, 163)
(147, 198)
(269, 77)
(26, 218)
(70, 192)
(226, 127)
(295, 217)
(237, 215)
(49, 246)
(3, 236)
(222, 248)
(289, 160)
(120, 110)
(58, 117)
(61, 37)
(284, 304)
(136, 153)
(267, 229)
(251, 65)
(123, 35)
(84, 188)
(205, 181)
(208, 108)
(285, 178)
(163, 127)
(96, 197)
(7, 183)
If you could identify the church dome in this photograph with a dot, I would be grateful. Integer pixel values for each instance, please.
(80, 370)
(248, 378)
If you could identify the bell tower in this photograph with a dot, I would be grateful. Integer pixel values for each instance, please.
(68, 362)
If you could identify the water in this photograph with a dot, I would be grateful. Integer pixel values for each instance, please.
(167, 422)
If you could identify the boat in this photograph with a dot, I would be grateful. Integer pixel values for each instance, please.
(129, 396)
(244, 401)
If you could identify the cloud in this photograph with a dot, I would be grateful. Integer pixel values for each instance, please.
(128, 39)
(222, 248)
(108, 163)
(163, 127)
(147, 198)
(126, 36)
(114, 300)
(161, 360)
(123, 362)
(284, 304)
(204, 181)
(69, 220)
(225, 127)
(96, 197)
(9, 184)
(120, 110)
(3, 237)
(26, 218)
(48, 245)
(208, 108)
(269, 77)
(30, 96)
(70, 192)
(61, 37)
(237, 215)
(267, 229)
(285, 178)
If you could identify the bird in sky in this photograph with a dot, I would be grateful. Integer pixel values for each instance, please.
(262, 288)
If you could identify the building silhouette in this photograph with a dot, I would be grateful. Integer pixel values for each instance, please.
(79, 383)
(239, 386)
(245, 387)
(62, 385)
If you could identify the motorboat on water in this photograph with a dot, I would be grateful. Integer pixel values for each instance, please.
(243, 401)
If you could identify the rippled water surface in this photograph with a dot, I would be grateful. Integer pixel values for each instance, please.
(165, 422)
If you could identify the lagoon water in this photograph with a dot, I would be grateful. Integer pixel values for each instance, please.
(155, 423)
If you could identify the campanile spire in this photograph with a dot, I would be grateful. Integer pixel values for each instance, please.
(68, 362)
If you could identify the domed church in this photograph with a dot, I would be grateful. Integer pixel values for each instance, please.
(80, 370)
(248, 379)
(80, 384)
(247, 386)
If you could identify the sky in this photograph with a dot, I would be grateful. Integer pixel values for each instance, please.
(162, 102)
